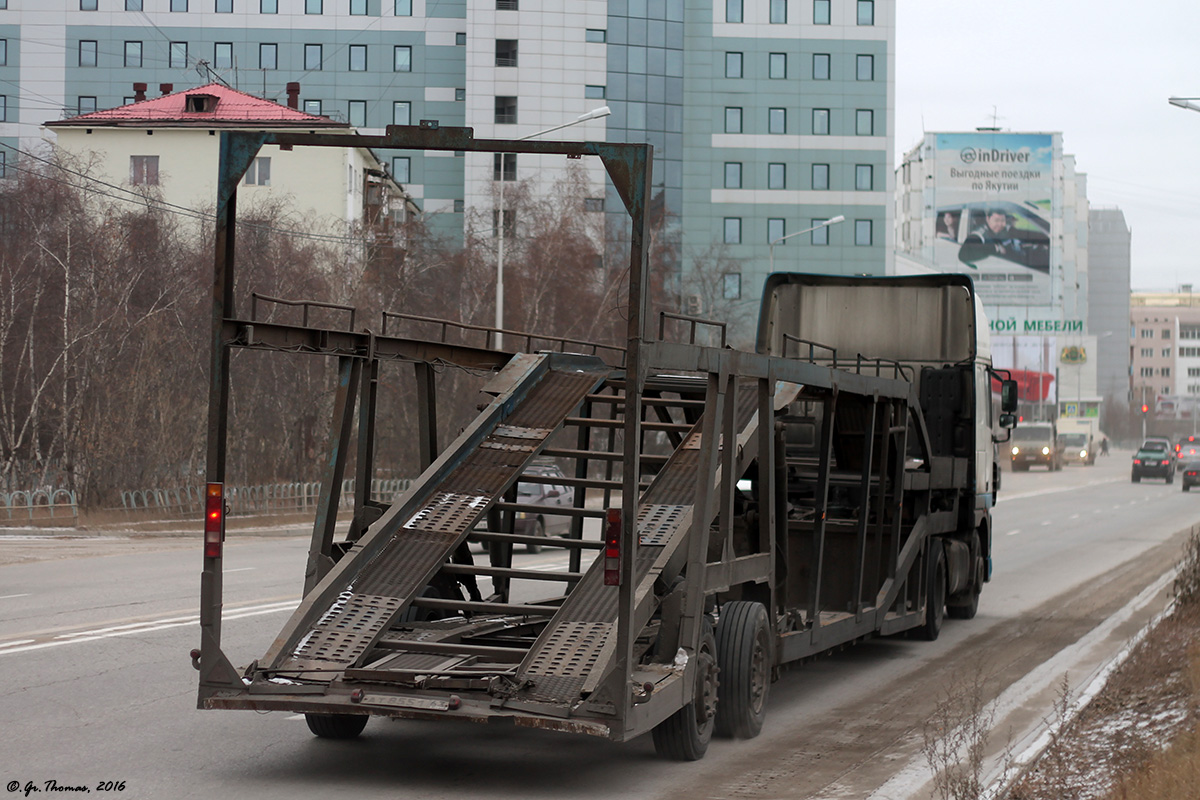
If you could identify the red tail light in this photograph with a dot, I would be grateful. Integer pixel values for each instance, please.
(612, 548)
(214, 519)
(1137, 461)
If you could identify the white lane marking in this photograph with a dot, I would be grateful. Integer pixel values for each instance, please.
(1013, 532)
(15, 596)
(1045, 522)
(1003, 497)
(149, 626)
(1073, 516)
(17, 642)
(239, 569)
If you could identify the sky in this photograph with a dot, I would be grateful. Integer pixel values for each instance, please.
(1099, 72)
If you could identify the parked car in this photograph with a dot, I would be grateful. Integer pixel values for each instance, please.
(551, 496)
(1190, 475)
(1154, 459)
(1187, 450)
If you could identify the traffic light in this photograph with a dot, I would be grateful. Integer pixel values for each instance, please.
(1145, 408)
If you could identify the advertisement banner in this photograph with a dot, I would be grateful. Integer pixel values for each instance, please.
(993, 196)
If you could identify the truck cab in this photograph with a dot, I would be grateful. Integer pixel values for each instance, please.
(1035, 443)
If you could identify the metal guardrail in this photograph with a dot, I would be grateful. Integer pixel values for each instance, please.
(558, 343)
(261, 498)
(40, 504)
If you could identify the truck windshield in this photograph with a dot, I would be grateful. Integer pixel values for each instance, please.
(1073, 439)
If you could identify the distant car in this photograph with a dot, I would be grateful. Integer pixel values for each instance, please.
(1155, 459)
(1076, 449)
(1189, 475)
(1186, 450)
(1035, 443)
(551, 496)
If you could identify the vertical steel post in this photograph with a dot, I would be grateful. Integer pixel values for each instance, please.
(864, 507)
(829, 413)
(426, 414)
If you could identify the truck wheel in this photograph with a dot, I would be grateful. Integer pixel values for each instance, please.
(684, 736)
(935, 588)
(538, 530)
(965, 604)
(336, 726)
(744, 659)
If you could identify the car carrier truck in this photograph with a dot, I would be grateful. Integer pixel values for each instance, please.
(834, 485)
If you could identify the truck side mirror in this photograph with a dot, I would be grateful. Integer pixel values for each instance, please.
(1008, 397)
(1008, 420)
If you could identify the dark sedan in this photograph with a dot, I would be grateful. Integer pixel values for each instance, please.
(1154, 460)
(1189, 475)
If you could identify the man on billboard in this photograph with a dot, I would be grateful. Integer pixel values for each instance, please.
(996, 237)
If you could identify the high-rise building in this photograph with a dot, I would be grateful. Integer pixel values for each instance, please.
(1109, 240)
(767, 116)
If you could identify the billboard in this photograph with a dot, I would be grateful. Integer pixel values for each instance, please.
(993, 198)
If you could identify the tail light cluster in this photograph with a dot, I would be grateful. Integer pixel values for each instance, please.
(214, 519)
(612, 548)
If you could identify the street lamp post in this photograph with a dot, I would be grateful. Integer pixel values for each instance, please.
(825, 224)
(603, 111)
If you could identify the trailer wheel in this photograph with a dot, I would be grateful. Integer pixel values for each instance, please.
(935, 588)
(744, 658)
(336, 726)
(965, 604)
(684, 736)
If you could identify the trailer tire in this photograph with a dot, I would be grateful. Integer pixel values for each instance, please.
(965, 604)
(935, 587)
(744, 659)
(684, 736)
(336, 726)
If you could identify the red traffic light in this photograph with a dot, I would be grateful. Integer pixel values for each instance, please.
(1145, 408)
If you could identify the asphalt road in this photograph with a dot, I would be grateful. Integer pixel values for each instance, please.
(96, 684)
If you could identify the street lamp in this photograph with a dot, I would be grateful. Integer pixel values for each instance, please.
(603, 111)
(825, 224)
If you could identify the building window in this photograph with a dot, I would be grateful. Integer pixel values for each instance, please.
(504, 166)
(402, 169)
(864, 178)
(460, 38)
(778, 12)
(1147, 352)
(820, 121)
(268, 6)
(593, 204)
(596, 35)
(506, 52)
(4, 107)
(594, 92)
(358, 58)
(460, 94)
(1165, 372)
(179, 5)
(507, 5)
(774, 230)
(733, 120)
(733, 175)
(731, 286)
(1147, 372)
(506, 110)
(178, 57)
(733, 65)
(820, 12)
(268, 56)
(223, 55)
(84, 5)
(1166, 353)
(312, 57)
(777, 66)
(402, 58)
(133, 54)
(866, 12)
(820, 66)
(143, 170)
(819, 235)
(1166, 333)
(401, 112)
(223, 7)
(1147, 333)
(865, 68)
(314, 7)
(358, 8)
(85, 104)
(312, 107)
(403, 8)
(510, 222)
(130, 5)
(733, 230)
(776, 176)
(1193, 372)
(358, 113)
(733, 10)
(259, 173)
(777, 120)
(820, 177)
(864, 122)
(87, 53)
(862, 232)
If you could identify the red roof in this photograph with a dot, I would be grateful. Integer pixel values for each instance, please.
(231, 109)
